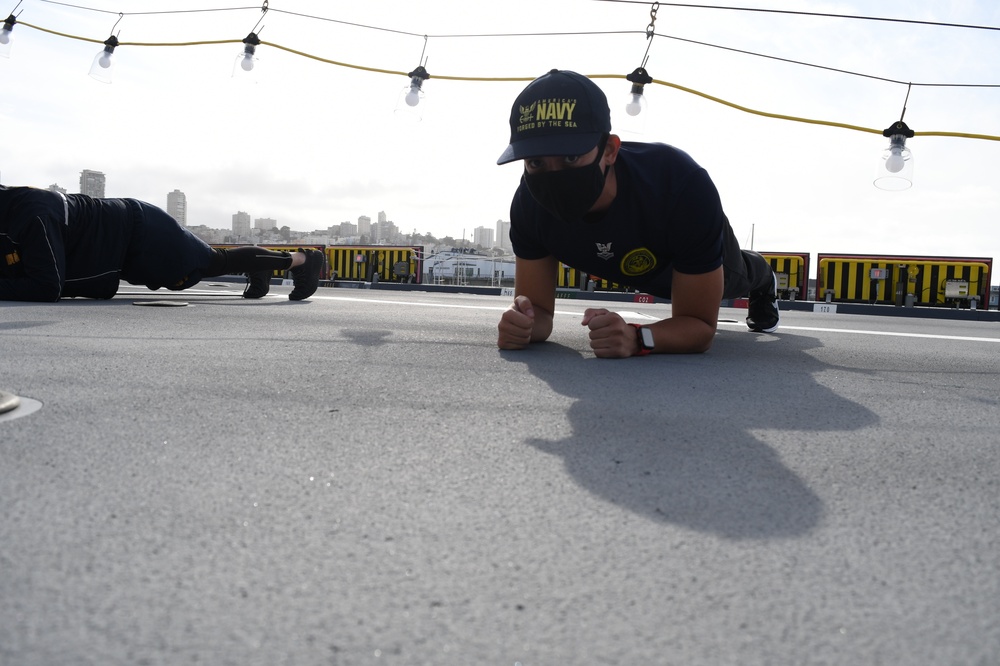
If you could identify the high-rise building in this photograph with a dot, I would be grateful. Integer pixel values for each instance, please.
(241, 224)
(177, 207)
(265, 223)
(482, 237)
(388, 232)
(92, 183)
(503, 235)
(55, 188)
(364, 225)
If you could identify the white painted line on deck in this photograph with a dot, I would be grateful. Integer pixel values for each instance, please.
(896, 334)
(628, 314)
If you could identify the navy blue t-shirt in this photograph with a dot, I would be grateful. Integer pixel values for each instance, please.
(666, 215)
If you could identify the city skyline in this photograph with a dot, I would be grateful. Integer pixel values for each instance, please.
(95, 184)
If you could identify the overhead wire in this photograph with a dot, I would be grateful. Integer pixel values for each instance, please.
(794, 12)
(151, 13)
(549, 34)
(830, 69)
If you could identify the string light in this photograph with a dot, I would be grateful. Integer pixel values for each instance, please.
(895, 170)
(636, 103)
(6, 33)
(6, 38)
(246, 60)
(410, 97)
(104, 62)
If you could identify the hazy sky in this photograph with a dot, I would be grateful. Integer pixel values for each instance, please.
(312, 144)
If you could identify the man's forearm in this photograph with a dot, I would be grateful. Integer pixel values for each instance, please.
(682, 335)
(541, 329)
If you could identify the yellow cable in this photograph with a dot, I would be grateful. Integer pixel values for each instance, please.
(748, 110)
(767, 114)
(389, 71)
(332, 62)
(101, 41)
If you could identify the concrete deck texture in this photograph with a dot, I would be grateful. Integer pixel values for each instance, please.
(363, 478)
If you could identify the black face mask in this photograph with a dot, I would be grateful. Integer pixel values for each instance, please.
(569, 193)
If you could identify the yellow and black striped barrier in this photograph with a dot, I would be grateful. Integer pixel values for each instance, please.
(900, 280)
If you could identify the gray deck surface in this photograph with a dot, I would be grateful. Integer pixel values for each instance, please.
(363, 478)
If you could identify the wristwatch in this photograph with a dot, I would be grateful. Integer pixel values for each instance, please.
(645, 337)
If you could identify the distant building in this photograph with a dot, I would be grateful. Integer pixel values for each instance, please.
(459, 266)
(383, 232)
(265, 223)
(208, 235)
(482, 237)
(242, 225)
(503, 235)
(177, 206)
(55, 188)
(92, 183)
(364, 225)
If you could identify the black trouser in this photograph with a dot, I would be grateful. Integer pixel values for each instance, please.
(250, 259)
(746, 272)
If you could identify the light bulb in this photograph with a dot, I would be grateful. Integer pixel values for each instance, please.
(895, 169)
(894, 163)
(413, 97)
(103, 64)
(247, 63)
(5, 36)
(408, 105)
(634, 107)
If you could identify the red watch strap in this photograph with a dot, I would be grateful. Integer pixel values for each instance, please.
(638, 334)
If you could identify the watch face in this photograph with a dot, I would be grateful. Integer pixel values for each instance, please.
(647, 338)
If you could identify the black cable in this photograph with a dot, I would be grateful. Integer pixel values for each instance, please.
(856, 17)
(831, 69)
(168, 11)
(819, 14)
(449, 36)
